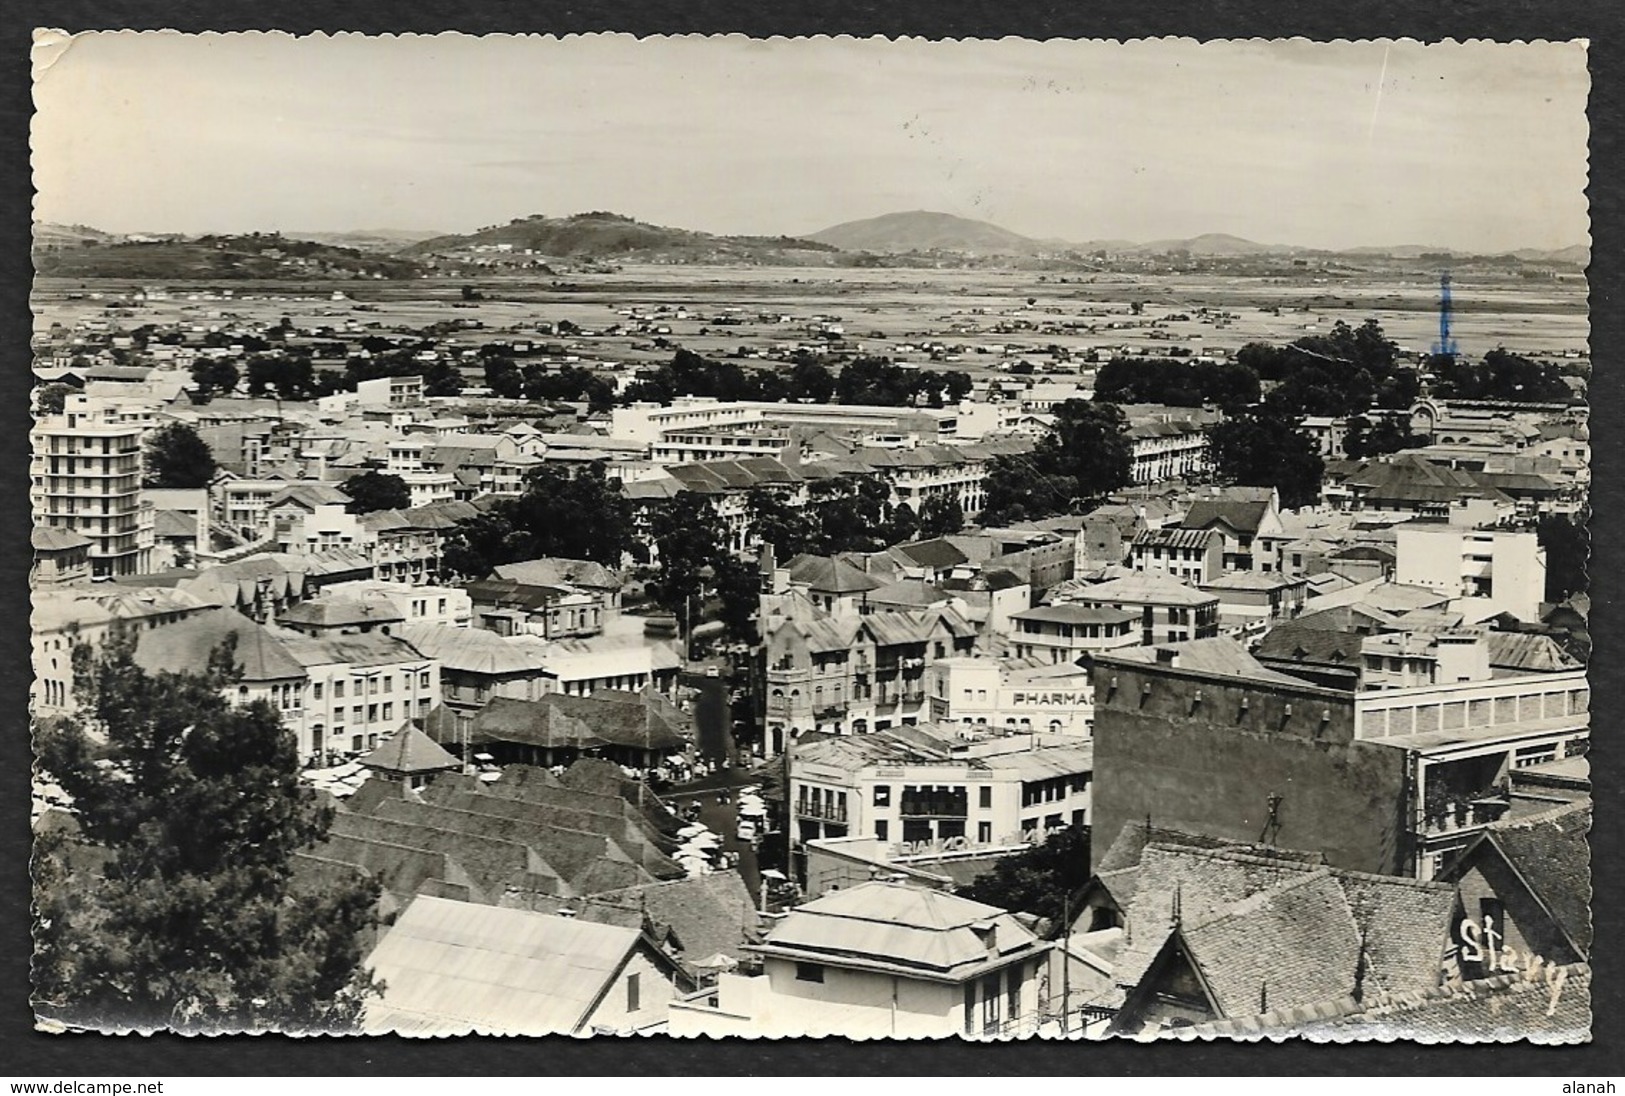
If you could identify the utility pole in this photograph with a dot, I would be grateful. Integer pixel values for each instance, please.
(1066, 965)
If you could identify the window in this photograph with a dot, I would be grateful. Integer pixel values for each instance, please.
(882, 795)
(1012, 982)
(372, 713)
(389, 711)
(316, 691)
(423, 679)
(882, 830)
(984, 797)
(389, 683)
(338, 690)
(632, 1001)
(990, 1005)
(970, 1008)
(356, 713)
(984, 833)
(810, 972)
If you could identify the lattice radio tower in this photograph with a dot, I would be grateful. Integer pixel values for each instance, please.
(1446, 346)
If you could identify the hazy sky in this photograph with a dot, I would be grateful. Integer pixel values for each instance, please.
(1476, 146)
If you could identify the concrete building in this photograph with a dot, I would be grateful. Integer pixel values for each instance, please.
(1011, 696)
(915, 788)
(1192, 556)
(1065, 633)
(1507, 569)
(1207, 740)
(1169, 611)
(85, 478)
(881, 960)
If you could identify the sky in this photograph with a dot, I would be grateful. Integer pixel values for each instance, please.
(1476, 146)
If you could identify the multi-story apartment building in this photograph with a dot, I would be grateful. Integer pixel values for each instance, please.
(85, 477)
(925, 788)
(1168, 611)
(1194, 556)
(1507, 568)
(1064, 633)
(851, 674)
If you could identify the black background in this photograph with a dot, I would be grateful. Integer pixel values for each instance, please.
(25, 1053)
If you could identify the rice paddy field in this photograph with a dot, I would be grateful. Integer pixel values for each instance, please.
(974, 319)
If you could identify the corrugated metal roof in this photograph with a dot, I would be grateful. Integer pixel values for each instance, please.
(452, 968)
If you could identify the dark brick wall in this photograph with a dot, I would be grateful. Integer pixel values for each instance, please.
(1209, 766)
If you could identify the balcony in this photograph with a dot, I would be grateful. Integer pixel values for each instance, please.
(830, 713)
(828, 812)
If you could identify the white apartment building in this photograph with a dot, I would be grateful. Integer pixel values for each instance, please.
(1009, 697)
(85, 476)
(1508, 569)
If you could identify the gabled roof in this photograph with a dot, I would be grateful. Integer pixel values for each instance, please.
(184, 647)
(409, 752)
(1551, 852)
(707, 914)
(454, 968)
(1139, 589)
(557, 721)
(1269, 929)
(46, 538)
(560, 572)
(828, 575)
(337, 612)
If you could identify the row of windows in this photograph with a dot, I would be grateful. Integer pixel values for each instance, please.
(363, 686)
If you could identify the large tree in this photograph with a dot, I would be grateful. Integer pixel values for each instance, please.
(215, 376)
(941, 515)
(1501, 375)
(684, 531)
(1089, 444)
(176, 904)
(177, 457)
(1019, 490)
(1567, 541)
(570, 513)
(1039, 880)
(1265, 447)
(371, 491)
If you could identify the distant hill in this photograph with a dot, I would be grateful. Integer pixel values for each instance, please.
(611, 236)
(1212, 245)
(921, 230)
(257, 255)
(53, 235)
(367, 239)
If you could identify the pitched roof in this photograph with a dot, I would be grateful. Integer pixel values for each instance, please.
(1147, 589)
(339, 611)
(560, 572)
(708, 914)
(1552, 853)
(932, 553)
(409, 752)
(828, 575)
(1271, 929)
(185, 647)
(453, 968)
(1242, 515)
(1503, 1008)
(581, 722)
(46, 538)
(929, 932)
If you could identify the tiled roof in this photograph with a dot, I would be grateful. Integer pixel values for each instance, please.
(1551, 851)
(185, 646)
(933, 553)
(1528, 652)
(560, 572)
(45, 538)
(337, 612)
(1242, 515)
(828, 575)
(581, 722)
(1139, 589)
(1500, 1009)
(1270, 929)
(475, 650)
(707, 914)
(409, 752)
